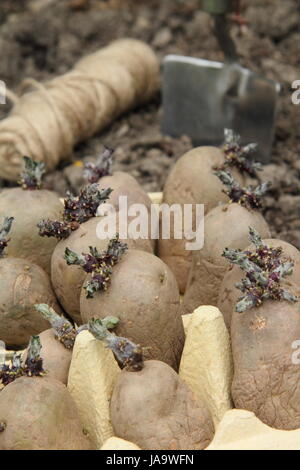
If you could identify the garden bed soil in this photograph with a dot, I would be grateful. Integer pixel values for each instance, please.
(44, 38)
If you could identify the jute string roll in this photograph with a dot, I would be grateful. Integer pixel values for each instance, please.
(49, 119)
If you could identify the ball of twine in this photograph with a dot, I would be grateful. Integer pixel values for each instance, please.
(48, 120)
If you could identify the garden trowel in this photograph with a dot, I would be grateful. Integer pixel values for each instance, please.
(201, 97)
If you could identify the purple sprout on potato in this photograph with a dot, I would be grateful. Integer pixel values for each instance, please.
(33, 366)
(249, 197)
(9, 373)
(63, 330)
(81, 208)
(31, 177)
(54, 228)
(103, 166)
(99, 264)
(77, 210)
(128, 354)
(4, 231)
(34, 362)
(237, 155)
(99, 281)
(264, 271)
(115, 250)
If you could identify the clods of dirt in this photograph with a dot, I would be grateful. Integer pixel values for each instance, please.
(43, 38)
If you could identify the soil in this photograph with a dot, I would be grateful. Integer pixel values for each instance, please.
(43, 38)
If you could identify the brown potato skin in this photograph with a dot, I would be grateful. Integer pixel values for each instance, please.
(225, 226)
(155, 409)
(56, 358)
(67, 280)
(40, 414)
(124, 184)
(22, 285)
(28, 208)
(144, 295)
(229, 294)
(265, 379)
(192, 181)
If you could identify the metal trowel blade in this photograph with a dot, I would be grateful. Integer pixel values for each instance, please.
(201, 98)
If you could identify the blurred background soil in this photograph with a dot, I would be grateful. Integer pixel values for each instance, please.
(44, 38)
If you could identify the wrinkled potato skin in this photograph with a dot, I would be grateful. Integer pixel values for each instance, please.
(67, 280)
(155, 409)
(123, 184)
(265, 380)
(22, 285)
(229, 294)
(224, 227)
(40, 414)
(29, 208)
(144, 295)
(56, 358)
(192, 181)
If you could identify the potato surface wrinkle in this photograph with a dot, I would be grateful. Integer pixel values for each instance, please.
(266, 381)
(21, 286)
(268, 396)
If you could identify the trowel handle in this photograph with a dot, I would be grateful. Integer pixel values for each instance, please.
(219, 10)
(224, 39)
(219, 7)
